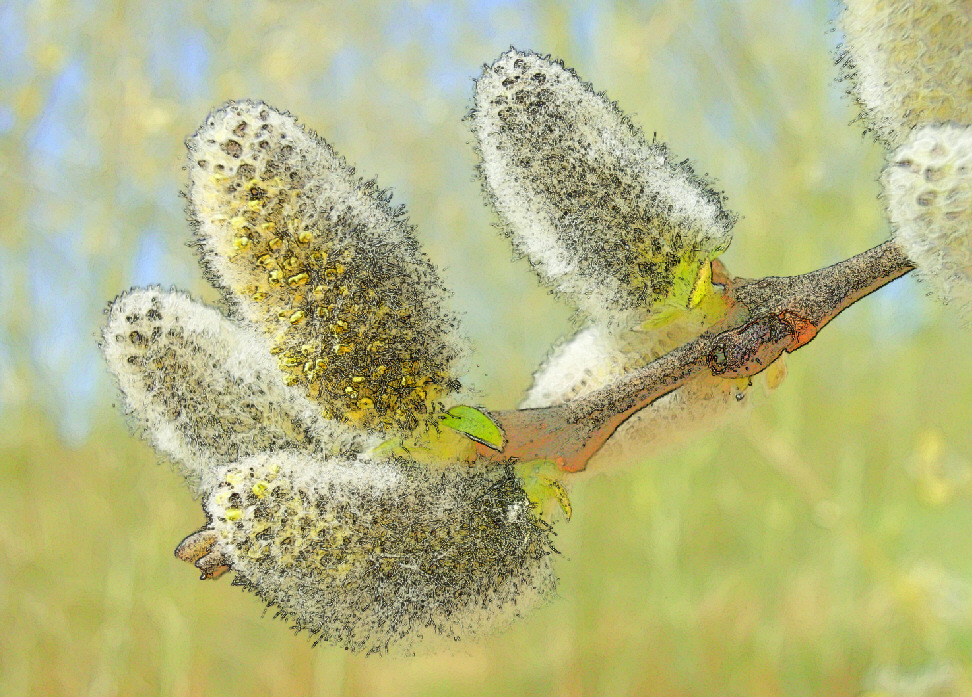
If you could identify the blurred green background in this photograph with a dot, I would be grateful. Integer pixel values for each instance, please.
(818, 546)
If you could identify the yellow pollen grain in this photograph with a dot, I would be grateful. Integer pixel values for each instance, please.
(233, 514)
(259, 489)
(275, 243)
(298, 280)
(297, 317)
(237, 222)
(305, 237)
(241, 242)
(258, 296)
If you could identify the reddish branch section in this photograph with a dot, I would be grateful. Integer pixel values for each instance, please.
(768, 316)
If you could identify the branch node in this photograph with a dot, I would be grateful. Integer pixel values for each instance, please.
(802, 329)
(750, 349)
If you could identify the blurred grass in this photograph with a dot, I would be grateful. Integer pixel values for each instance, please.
(816, 547)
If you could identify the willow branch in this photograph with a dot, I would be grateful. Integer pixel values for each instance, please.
(767, 317)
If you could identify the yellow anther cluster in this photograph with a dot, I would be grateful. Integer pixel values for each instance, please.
(370, 555)
(319, 259)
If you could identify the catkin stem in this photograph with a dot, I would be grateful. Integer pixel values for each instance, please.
(769, 316)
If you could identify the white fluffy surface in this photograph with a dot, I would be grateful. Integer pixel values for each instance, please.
(910, 63)
(612, 220)
(203, 390)
(380, 556)
(591, 359)
(928, 187)
(318, 259)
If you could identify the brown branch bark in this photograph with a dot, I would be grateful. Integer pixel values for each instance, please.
(767, 317)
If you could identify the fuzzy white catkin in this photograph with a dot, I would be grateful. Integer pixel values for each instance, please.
(606, 217)
(318, 258)
(378, 556)
(928, 187)
(909, 62)
(204, 390)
